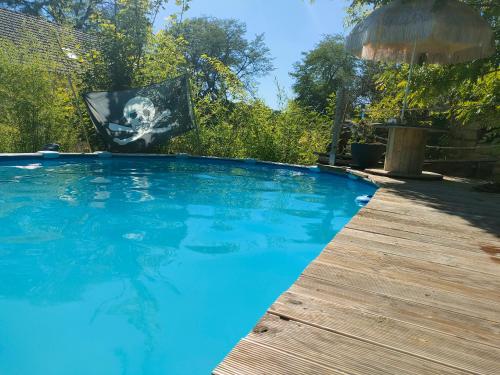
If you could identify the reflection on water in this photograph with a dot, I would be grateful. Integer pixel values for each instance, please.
(128, 266)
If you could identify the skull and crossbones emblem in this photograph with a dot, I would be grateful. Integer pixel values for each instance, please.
(139, 115)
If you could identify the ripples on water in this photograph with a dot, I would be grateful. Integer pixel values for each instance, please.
(146, 266)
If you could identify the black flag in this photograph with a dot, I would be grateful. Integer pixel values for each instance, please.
(136, 120)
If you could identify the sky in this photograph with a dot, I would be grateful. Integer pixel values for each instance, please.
(290, 28)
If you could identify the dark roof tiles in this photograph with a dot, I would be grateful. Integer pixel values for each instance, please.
(41, 35)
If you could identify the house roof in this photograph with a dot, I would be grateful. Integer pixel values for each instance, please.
(62, 44)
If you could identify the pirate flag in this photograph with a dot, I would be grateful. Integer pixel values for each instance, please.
(136, 120)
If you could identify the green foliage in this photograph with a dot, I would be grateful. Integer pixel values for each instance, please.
(210, 39)
(327, 67)
(322, 71)
(477, 100)
(39, 108)
(253, 130)
(80, 14)
(35, 105)
(457, 94)
(246, 127)
(362, 132)
(231, 124)
(121, 33)
(162, 59)
(74, 12)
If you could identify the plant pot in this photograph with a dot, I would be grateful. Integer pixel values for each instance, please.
(366, 155)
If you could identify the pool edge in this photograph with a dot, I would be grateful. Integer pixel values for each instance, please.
(343, 171)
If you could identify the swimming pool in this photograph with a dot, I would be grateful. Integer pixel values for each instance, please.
(151, 265)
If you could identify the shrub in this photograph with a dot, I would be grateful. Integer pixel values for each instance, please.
(35, 105)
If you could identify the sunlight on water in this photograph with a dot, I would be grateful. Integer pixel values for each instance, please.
(147, 266)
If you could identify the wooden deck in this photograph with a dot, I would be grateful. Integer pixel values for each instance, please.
(410, 286)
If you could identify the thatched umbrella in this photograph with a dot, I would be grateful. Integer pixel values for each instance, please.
(433, 31)
(417, 31)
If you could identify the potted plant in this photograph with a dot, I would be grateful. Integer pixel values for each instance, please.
(365, 151)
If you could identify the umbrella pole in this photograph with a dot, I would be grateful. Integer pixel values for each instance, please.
(408, 83)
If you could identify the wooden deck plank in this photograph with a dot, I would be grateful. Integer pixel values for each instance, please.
(444, 321)
(387, 332)
(432, 212)
(410, 286)
(439, 276)
(412, 233)
(251, 358)
(438, 197)
(485, 309)
(339, 352)
(451, 227)
(409, 241)
(473, 261)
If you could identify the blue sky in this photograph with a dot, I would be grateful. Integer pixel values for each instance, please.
(290, 27)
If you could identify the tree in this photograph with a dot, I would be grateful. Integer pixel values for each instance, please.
(77, 13)
(162, 59)
(123, 33)
(74, 12)
(325, 68)
(321, 72)
(35, 105)
(210, 40)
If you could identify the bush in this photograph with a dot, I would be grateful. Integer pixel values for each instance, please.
(35, 105)
(254, 130)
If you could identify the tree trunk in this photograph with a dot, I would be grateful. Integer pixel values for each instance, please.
(337, 125)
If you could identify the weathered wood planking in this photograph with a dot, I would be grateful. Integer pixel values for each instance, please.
(251, 358)
(417, 250)
(397, 157)
(410, 286)
(384, 331)
(424, 315)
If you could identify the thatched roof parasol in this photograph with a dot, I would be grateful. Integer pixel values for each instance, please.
(434, 31)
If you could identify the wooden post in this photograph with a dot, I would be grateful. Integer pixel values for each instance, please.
(405, 151)
(337, 125)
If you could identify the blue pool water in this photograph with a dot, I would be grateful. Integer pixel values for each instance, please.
(151, 266)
